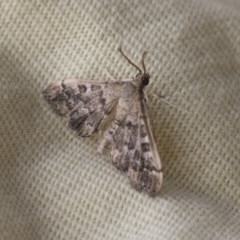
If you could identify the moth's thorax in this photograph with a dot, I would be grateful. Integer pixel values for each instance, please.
(141, 80)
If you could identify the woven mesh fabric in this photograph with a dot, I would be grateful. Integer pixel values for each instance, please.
(54, 185)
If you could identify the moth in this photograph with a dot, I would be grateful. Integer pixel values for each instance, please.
(89, 105)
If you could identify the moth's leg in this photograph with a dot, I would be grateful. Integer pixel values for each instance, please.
(100, 133)
(127, 79)
(109, 75)
(161, 97)
(114, 80)
(146, 99)
(107, 136)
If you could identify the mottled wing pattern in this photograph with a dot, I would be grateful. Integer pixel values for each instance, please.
(133, 148)
(87, 104)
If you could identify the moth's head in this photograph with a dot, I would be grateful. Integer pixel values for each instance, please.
(143, 78)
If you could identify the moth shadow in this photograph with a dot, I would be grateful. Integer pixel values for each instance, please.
(20, 140)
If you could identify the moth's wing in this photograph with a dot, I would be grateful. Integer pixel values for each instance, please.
(133, 146)
(123, 135)
(65, 95)
(86, 103)
(149, 175)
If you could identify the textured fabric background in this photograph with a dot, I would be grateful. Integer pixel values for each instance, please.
(53, 184)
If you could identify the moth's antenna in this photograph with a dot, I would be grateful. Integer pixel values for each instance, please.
(124, 55)
(143, 64)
